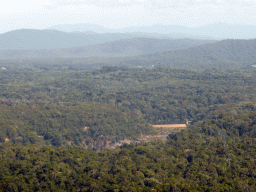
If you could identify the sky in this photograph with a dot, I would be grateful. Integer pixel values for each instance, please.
(40, 14)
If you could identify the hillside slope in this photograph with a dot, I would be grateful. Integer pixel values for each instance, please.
(118, 48)
(226, 53)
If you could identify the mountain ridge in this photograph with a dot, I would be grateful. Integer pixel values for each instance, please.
(214, 30)
(54, 39)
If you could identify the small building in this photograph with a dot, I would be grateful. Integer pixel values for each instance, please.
(3, 68)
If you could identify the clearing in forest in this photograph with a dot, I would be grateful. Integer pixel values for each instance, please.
(171, 126)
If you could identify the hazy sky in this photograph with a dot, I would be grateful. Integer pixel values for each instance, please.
(39, 14)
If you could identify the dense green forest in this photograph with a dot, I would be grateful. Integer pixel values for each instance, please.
(57, 121)
(53, 106)
(213, 155)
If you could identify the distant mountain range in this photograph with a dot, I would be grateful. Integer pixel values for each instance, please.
(67, 36)
(217, 30)
(156, 31)
(53, 39)
(81, 27)
(118, 48)
(138, 48)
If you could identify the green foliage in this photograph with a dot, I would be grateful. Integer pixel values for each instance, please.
(184, 164)
(51, 114)
(63, 124)
(53, 106)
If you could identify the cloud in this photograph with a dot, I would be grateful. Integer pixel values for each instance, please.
(100, 3)
(156, 3)
(12, 6)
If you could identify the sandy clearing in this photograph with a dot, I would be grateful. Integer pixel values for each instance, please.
(170, 126)
(86, 128)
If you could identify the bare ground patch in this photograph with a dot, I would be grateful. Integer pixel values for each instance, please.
(162, 132)
(170, 126)
(143, 138)
(85, 128)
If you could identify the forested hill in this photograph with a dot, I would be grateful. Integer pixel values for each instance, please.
(136, 46)
(118, 48)
(224, 54)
